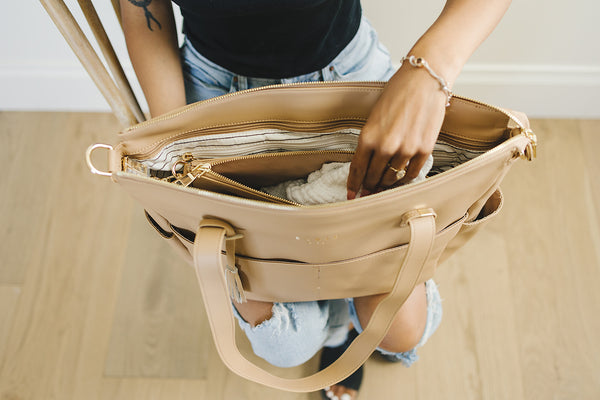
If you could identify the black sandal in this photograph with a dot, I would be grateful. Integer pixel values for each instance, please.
(330, 354)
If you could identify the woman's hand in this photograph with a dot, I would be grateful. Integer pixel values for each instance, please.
(406, 120)
(400, 132)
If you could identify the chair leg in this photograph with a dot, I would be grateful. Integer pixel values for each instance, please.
(68, 27)
(111, 58)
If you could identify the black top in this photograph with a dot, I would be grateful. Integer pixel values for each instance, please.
(270, 38)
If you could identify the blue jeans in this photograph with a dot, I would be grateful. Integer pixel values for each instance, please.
(297, 331)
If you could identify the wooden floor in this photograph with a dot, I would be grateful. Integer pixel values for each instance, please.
(94, 306)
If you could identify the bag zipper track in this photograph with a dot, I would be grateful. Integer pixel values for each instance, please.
(530, 151)
(316, 84)
(373, 198)
(206, 168)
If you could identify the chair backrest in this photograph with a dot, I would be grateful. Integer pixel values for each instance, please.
(111, 82)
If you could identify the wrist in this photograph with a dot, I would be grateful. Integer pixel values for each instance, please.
(419, 62)
(441, 59)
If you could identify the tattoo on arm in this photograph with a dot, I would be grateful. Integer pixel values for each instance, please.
(149, 17)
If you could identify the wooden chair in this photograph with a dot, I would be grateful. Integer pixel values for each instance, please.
(113, 85)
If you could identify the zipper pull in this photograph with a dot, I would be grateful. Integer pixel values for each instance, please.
(187, 179)
(184, 162)
(189, 173)
(187, 159)
(531, 149)
(234, 284)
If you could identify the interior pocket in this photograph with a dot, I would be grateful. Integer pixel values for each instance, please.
(490, 209)
(244, 176)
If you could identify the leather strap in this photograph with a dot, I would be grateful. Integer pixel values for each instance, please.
(210, 272)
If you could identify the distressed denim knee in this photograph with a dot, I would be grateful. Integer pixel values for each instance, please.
(297, 331)
(434, 317)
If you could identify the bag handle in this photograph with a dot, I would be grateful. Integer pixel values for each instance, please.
(207, 256)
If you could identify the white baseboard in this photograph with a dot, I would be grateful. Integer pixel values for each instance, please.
(541, 91)
(53, 88)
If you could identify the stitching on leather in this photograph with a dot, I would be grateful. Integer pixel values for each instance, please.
(470, 138)
(201, 104)
(334, 119)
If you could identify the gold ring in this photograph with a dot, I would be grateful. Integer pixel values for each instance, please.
(399, 172)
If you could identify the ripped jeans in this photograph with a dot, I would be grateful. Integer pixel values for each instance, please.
(297, 331)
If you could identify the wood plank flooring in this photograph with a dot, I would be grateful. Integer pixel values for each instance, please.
(93, 305)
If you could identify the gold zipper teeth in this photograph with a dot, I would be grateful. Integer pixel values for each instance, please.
(241, 185)
(281, 154)
(371, 84)
(206, 168)
(285, 208)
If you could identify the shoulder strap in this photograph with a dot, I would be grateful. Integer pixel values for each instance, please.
(208, 259)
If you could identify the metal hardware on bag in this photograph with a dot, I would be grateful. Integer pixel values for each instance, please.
(185, 161)
(234, 284)
(131, 164)
(187, 179)
(418, 213)
(531, 150)
(232, 275)
(174, 168)
(88, 158)
(516, 154)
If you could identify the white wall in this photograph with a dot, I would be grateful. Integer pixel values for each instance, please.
(543, 59)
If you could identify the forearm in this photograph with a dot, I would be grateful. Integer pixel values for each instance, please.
(405, 122)
(152, 45)
(461, 27)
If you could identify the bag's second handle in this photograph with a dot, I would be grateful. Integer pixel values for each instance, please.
(209, 270)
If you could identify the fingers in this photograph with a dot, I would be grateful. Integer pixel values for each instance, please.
(414, 167)
(373, 169)
(377, 167)
(396, 170)
(358, 168)
(400, 132)
(368, 168)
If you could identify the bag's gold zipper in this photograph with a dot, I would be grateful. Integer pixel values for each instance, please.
(373, 198)
(530, 152)
(191, 173)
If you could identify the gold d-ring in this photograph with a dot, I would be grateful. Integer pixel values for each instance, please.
(88, 158)
(400, 173)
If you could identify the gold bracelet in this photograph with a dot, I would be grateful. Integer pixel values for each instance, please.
(421, 63)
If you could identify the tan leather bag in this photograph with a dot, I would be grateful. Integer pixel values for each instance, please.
(246, 245)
